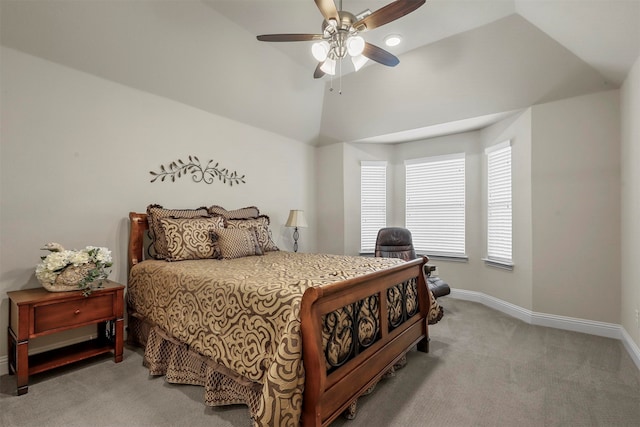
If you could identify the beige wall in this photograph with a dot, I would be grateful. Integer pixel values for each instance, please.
(630, 273)
(330, 198)
(353, 154)
(458, 274)
(513, 286)
(566, 197)
(75, 159)
(575, 166)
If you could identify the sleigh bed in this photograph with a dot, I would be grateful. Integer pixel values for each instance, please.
(296, 337)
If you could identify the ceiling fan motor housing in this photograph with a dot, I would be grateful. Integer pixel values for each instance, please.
(337, 33)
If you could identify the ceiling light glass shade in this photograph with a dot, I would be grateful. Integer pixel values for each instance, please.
(355, 45)
(359, 61)
(329, 67)
(393, 40)
(320, 50)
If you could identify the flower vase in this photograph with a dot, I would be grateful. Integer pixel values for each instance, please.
(69, 279)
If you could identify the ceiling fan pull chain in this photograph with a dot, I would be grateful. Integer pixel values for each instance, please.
(340, 83)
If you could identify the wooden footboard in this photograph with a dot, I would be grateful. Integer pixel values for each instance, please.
(329, 391)
(397, 297)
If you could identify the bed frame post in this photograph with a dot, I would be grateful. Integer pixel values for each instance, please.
(138, 224)
(424, 295)
(313, 357)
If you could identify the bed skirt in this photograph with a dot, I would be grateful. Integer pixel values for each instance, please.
(180, 365)
(166, 356)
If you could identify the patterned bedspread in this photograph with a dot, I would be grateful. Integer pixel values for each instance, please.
(244, 313)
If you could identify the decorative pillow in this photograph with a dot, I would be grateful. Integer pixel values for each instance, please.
(237, 242)
(261, 224)
(155, 213)
(190, 238)
(242, 213)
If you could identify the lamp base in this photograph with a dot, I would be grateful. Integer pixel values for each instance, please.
(296, 235)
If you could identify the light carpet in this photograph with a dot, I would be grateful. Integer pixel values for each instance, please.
(484, 369)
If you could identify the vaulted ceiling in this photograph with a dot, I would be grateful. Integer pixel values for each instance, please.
(463, 64)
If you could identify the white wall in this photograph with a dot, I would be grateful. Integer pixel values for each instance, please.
(630, 207)
(75, 159)
(575, 167)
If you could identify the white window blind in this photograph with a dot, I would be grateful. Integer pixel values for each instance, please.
(499, 206)
(373, 203)
(435, 204)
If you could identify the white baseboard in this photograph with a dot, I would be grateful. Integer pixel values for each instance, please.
(631, 346)
(592, 327)
(4, 365)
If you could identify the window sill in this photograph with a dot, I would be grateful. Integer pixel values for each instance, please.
(452, 258)
(503, 265)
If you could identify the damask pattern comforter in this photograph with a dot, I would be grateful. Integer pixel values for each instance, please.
(243, 314)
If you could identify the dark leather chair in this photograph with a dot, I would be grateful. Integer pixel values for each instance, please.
(396, 242)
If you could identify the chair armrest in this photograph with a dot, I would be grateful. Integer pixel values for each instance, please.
(428, 269)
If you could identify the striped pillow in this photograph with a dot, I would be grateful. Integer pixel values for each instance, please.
(242, 213)
(261, 224)
(237, 243)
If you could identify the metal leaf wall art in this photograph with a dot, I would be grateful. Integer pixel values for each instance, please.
(193, 167)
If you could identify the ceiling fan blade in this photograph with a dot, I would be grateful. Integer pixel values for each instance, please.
(289, 37)
(379, 55)
(388, 13)
(328, 9)
(318, 72)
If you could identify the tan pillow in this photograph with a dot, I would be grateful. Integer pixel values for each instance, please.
(242, 213)
(191, 238)
(261, 224)
(155, 213)
(238, 243)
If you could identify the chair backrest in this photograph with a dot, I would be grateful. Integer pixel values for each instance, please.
(395, 242)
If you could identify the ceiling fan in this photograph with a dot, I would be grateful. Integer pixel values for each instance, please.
(340, 38)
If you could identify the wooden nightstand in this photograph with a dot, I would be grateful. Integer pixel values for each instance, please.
(37, 312)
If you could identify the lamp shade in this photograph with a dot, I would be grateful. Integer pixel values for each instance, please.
(296, 219)
(355, 45)
(358, 61)
(329, 66)
(320, 50)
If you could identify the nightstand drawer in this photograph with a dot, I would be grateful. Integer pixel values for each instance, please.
(83, 310)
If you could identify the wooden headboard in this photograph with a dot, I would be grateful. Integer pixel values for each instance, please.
(138, 226)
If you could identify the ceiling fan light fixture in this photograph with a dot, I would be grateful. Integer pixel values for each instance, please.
(393, 40)
(320, 50)
(355, 45)
(329, 66)
(358, 61)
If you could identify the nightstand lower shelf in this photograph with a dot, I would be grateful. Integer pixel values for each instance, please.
(52, 359)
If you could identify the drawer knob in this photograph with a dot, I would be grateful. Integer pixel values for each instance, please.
(76, 312)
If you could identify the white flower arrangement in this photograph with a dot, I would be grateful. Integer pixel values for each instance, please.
(89, 265)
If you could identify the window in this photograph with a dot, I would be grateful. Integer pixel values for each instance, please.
(435, 204)
(373, 203)
(499, 203)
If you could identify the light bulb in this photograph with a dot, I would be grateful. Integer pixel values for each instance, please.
(320, 50)
(358, 61)
(355, 45)
(329, 67)
(393, 40)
